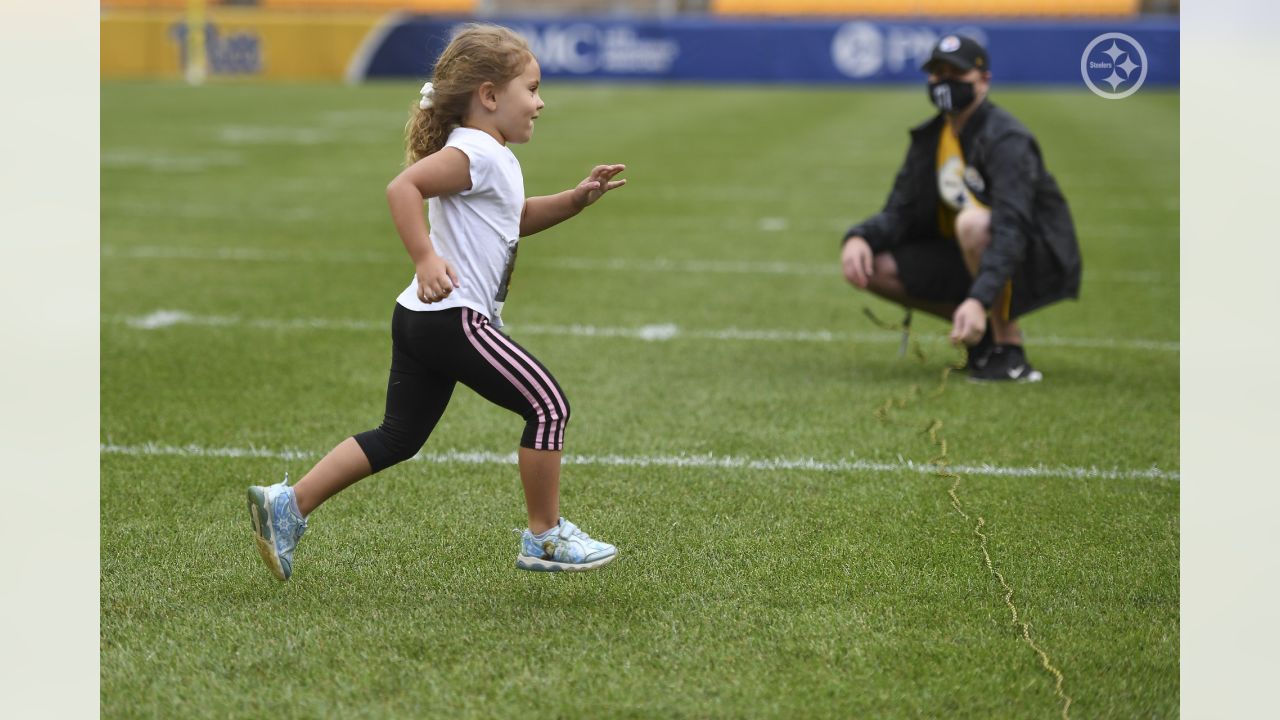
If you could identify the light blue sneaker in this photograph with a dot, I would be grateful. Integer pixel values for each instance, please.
(563, 548)
(278, 526)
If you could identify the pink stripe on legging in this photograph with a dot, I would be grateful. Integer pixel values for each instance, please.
(558, 424)
(551, 429)
(525, 363)
(467, 325)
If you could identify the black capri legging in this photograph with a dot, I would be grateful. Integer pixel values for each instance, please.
(434, 350)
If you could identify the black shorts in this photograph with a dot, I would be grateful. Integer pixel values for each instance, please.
(933, 270)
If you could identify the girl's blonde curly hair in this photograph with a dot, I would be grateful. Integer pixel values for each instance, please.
(478, 53)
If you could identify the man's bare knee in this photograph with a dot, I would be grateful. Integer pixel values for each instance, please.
(884, 279)
(973, 229)
(883, 264)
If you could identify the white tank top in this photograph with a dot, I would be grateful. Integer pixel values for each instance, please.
(477, 230)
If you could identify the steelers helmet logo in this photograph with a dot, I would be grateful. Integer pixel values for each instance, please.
(950, 43)
(951, 190)
(973, 180)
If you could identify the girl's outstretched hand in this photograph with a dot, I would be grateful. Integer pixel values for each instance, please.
(599, 182)
(436, 279)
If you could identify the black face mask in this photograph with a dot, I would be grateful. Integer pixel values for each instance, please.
(951, 95)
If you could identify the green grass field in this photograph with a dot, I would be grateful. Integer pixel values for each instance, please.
(786, 552)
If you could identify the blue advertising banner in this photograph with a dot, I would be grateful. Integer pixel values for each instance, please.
(1115, 55)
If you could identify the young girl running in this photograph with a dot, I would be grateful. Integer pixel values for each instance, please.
(483, 95)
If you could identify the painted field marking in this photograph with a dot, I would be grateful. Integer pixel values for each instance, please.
(658, 265)
(656, 332)
(777, 464)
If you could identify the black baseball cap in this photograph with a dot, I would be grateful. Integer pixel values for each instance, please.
(960, 51)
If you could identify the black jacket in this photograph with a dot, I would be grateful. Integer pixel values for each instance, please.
(1033, 241)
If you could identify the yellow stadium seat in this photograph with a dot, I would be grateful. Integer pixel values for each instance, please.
(939, 8)
(423, 6)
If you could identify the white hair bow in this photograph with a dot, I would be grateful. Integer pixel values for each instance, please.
(428, 93)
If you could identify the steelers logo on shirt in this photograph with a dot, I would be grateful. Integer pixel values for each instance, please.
(973, 179)
(951, 188)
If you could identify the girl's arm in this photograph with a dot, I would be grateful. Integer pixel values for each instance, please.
(441, 173)
(544, 211)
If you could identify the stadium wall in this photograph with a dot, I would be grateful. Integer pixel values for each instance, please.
(355, 47)
(239, 43)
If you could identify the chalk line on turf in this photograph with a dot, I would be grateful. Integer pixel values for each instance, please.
(657, 265)
(781, 464)
(655, 332)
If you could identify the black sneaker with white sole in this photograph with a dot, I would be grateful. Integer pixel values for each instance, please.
(976, 355)
(1006, 363)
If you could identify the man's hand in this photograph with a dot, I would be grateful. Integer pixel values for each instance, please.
(856, 260)
(436, 279)
(968, 323)
(599, 182)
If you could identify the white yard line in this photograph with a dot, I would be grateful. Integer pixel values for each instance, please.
(656, 265)
(273, 135)
(777, 464)
(164, 161)
(657, 332)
